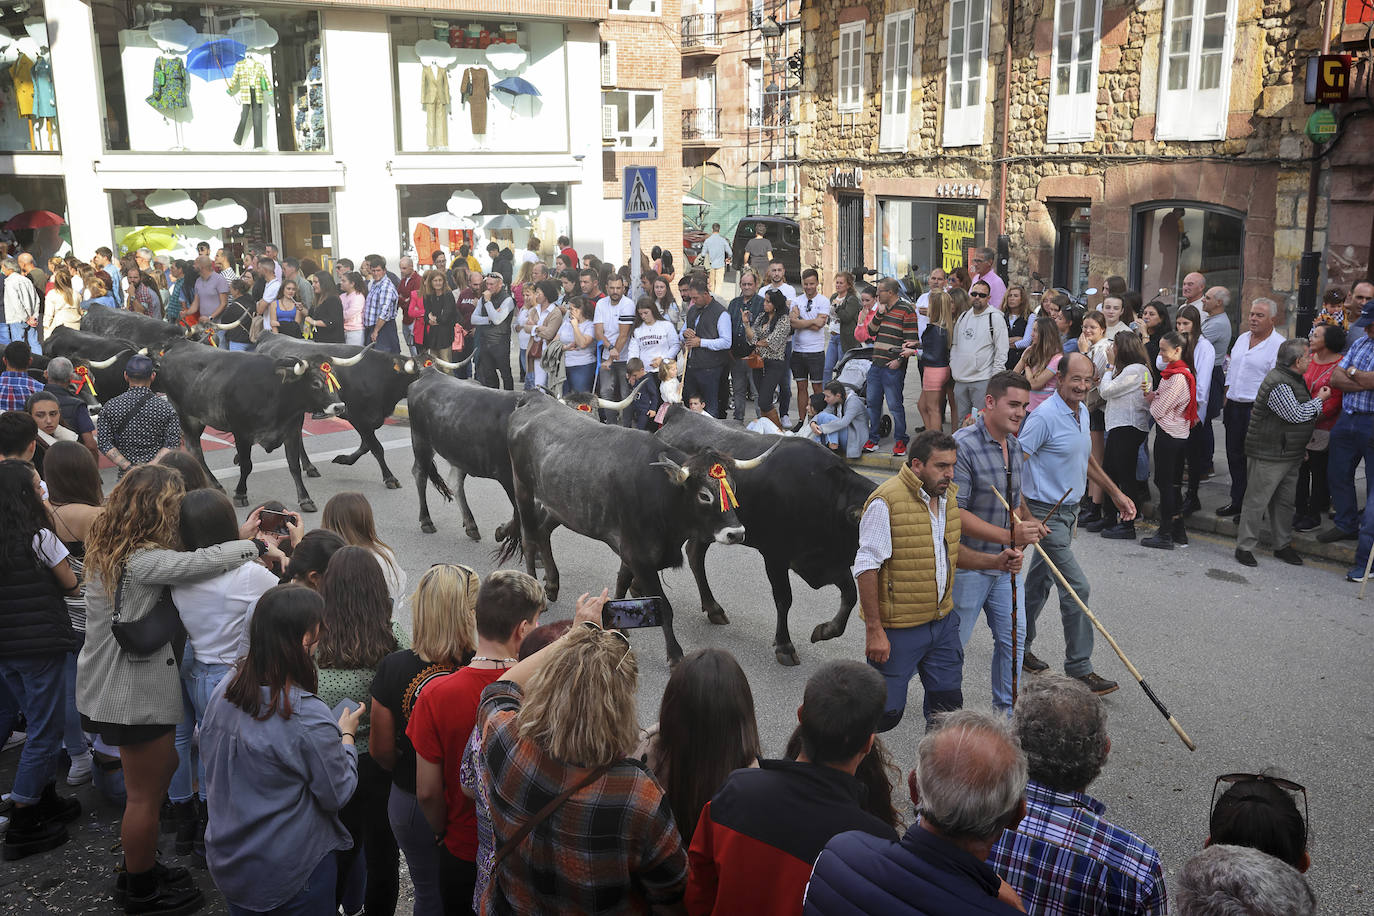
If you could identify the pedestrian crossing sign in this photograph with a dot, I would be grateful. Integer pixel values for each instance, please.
(639, 198)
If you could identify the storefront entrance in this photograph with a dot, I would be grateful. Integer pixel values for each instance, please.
(303, 224)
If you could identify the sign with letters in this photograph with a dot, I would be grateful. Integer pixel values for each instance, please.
(954, 231)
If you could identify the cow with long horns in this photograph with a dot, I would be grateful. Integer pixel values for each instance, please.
(98, 358)
(256, 398)
(144, 331)
(637, 495)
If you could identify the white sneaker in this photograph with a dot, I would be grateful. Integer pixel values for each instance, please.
(16, 739)
(786, 422)
(80, 771)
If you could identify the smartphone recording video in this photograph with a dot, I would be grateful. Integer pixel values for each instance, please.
(273, 522)
(632, 613)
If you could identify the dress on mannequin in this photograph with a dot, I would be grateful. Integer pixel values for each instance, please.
(169, 85)
(476, 84)
(21, 73)
(435, 97)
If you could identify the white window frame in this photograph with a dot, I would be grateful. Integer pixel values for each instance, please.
(1073, 114)
(894, 131)
(964, 123)
(626, 139)
(609, 69)
(636, 7)
(754, 79)
(1191, 113)
(849, 69)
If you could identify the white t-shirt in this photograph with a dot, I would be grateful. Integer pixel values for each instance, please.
(810, 340)
(572, 357)
(216, 611)
(49, 547)
(784, 288)
(654, 341)
(611, 316)
(528, 257)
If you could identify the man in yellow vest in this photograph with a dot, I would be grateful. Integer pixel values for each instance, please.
(908, 551)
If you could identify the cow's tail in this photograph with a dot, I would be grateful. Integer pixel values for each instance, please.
(440, 485)
(511, 545)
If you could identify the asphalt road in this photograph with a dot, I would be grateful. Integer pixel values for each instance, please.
(1265, 668)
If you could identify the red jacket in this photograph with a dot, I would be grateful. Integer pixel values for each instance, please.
(410, 284)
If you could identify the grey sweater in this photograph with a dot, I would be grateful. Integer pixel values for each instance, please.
(120, 688)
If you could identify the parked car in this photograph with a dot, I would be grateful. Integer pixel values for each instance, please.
(692, 237)
(784, 237)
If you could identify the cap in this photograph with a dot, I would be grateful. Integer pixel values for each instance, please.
(1366, 316)
(139, 366)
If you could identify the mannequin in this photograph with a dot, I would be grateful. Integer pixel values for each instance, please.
(435, 59)
(250, 82)
(170, 95)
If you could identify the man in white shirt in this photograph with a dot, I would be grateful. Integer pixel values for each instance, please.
(1254, 354)
(21, 306)
(810, 313)
(777, 279)
(613, 321)
(717, 252)
(983, 261)
(978, 351)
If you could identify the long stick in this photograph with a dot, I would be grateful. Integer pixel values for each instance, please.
(1368, 565)
(1178, 729)
(1015, 662)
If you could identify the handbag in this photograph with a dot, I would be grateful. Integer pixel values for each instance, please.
(754, 360)
(1095, 400)
(460, 338)
(159, 627)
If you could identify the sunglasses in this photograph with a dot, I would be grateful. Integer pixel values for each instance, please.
(587, 624)
(977, 295)
(1287, 785)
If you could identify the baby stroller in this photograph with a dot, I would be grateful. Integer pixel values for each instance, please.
(852, 372)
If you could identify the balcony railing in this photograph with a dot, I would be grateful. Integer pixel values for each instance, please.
(700, 125)
(701, 31)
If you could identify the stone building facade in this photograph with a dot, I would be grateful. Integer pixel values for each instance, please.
(1104, 150)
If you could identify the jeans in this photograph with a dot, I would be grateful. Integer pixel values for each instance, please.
(841, 436)
(37, 683)
(315, 899)
(1169, 455)
(1272, 488)
(989, 592)
(706, 383)
(365, 817)
(354, 338)
(18, 330)
(933, 651)
(250, 111)
(524, 375)
(885, 383)
(1058, 547)
(1366, 543)
(1236, 418)
(416, 840)
(387, 341)
(198, 682)
(1352, 439)
(739, 386)
(832, 355)
(73, 738)
(235, 346)
(580, 378)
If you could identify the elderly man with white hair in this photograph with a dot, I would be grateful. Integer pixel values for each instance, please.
(1255, 353)
(1226, 880)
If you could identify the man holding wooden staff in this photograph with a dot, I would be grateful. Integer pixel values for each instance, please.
(1058, 449)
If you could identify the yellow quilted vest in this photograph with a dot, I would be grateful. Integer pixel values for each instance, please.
(907, 595)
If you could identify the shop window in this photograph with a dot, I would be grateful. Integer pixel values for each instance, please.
(1072, 239)
(173, 222)
(630, 120)
(1195, 69)
(915, 236)
(444, 218)
(1171, 240)
(849, 68)
(476, 86)
(28, 104)
(182, 76)
(966, 80)
(896, 121)
(1073, 85)
(33, 217)
(646, 7)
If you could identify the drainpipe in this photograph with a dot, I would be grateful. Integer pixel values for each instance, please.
(1311, 260)
(1004, 240)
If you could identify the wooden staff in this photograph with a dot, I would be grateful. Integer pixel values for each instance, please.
(1368, 565)
(1178, 729)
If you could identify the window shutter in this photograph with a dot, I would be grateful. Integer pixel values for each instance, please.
(608, 74)
(608, 118)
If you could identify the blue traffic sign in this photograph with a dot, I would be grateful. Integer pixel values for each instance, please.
(639, 193)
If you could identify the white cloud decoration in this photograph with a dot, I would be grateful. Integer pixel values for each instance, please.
(506, 57)
(176, 33)
(253, 33)
(520, 197)
(431, 49)
(222, 213)
(464, 203)
(170, 204)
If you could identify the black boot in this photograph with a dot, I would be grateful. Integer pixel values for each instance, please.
(52, 806)
(1162, 540)
(31, 833)
(198, 843)
(153, 892)
(186, 826)
(1179, 532)
(175, 877)
(1089, 512)
(1106, 518)
(1121, 531)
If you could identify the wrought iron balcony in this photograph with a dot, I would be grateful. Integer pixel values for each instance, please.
(700, 126)
(701, 33)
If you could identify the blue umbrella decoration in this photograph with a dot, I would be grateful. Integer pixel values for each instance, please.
(517, 86)
(216, 59)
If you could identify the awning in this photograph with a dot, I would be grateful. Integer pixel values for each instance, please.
(690, 200)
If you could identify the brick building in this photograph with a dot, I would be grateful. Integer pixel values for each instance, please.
(1115, 144)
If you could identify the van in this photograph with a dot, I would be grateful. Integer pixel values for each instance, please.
(784, 238)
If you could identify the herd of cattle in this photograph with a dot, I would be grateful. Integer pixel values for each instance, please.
(647, 496)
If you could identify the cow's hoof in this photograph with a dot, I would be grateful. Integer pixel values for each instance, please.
(312, 471)
(472, 532)
(344, 459)
(500, 531)
(786, 655)
(307, 505)
(551, 590)
(717, 616)
(674, 658)
(827, 630)
(236, 460)
(392, 483)
(240, 499)
(428, 527)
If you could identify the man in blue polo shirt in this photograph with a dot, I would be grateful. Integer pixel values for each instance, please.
(1058, 449)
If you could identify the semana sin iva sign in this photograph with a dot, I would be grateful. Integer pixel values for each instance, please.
(953, 230)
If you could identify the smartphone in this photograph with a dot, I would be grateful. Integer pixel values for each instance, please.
(343, 706)
(632, 613)
(274, 522)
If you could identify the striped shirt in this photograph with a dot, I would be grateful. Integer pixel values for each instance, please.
(1066, 858)
(981, 473)
(1169, 405)
(1359, 356)
(895, 328)
(381, 302)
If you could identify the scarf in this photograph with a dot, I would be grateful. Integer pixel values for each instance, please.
(1179, 367)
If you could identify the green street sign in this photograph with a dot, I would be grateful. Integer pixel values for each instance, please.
(1321, 126)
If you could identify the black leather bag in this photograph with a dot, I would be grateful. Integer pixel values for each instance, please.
(159, 627)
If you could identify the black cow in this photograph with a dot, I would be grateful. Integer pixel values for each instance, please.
(641, 497)
(254, 397)
(801, 512)
(104, 357)
(142, 330)
(370, 384)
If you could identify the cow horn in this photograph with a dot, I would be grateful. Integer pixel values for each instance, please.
(621, 405)
(142, 351)
(105, 363)
(225, 327)
(301, 366)
(748, 464)
(445, 364)
(346, 361)
(676, 472)
(410, 367)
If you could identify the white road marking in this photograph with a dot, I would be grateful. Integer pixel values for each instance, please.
(232, 471)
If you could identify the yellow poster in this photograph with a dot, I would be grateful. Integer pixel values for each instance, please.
(954, 231)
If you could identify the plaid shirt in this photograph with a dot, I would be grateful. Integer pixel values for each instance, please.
(15, 388)
(1359, 355)
(1065, 858)
(381, 302)
(612, 847)
(978, 470)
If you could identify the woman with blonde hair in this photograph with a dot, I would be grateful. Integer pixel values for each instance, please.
(444, 618)
(62, 305)
(559, 725)
(350, 515)
(133, 700)
(934, 362)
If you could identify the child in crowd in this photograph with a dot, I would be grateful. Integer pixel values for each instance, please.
(669, 386)
(647, 401)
